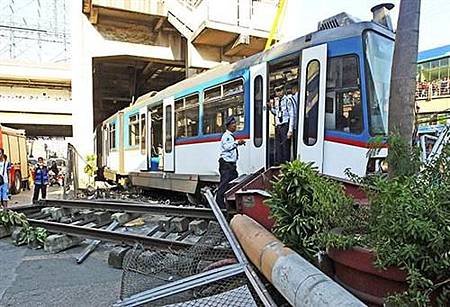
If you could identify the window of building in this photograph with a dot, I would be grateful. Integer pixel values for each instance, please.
(143, 134)
(311, 103)
(258, 111)
(186, 116)
(133, 130)
(112, 136)
(343, 111)
(168, 145)
(223, 101)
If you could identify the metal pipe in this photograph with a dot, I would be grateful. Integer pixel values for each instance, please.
(239, 253)
(300, 282)
(182, 285)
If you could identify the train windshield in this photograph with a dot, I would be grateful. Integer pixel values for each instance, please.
(379, 51)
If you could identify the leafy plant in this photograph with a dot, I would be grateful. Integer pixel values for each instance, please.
(305, 206)
(406, 224)
(28, 234)
(32, 236)
(91, 166)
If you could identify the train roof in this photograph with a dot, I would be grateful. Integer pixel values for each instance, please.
(278, 51)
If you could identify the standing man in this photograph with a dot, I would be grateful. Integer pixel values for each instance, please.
(284, 112)
(40, 180)
(228, 158)
(4, 182)
(293, 96)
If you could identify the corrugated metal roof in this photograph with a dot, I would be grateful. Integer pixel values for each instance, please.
(432, 54)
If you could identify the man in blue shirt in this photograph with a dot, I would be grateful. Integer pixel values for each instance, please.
(40, 180)
(228, 158)
(285, 115)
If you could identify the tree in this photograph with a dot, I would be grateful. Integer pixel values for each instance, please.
(404, 67)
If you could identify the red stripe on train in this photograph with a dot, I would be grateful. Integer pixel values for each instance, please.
(333, 139)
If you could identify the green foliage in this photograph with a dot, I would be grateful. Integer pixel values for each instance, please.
(28, 235)
(305, 206)
(32, 236)
(406, 224)
(9, 218)
(90, 168)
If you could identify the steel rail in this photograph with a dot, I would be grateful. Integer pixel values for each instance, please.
(193, 212)
(106, 235)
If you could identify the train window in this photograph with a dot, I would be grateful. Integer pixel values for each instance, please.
(258, 111)
(168, 145)
(343, 111)
(143, 134)
(217, 108)
(133, 130)
(186, 116)
(311, 103)
(112, 136)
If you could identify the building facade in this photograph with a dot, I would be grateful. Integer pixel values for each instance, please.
(433, 84)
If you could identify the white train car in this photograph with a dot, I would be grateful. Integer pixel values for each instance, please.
(171, 140)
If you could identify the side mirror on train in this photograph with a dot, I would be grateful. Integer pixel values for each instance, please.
(381, 15)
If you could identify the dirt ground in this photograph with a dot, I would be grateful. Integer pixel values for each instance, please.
(25, 197)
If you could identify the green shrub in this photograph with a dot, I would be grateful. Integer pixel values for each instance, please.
(407, 224)
(305, 206)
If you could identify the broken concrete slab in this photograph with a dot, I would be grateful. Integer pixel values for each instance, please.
(179, 224)
(121, 217)
(198, 227)
(58, 213)
(57, 243)
(115, 258)
(16, 232)
(164, 223)
(5, 231)
(87, 214)
(102, 218)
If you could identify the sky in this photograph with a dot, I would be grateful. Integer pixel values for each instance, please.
(302, 17)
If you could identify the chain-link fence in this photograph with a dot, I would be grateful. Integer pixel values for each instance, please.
(207, 274)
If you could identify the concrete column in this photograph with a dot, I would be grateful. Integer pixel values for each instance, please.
(300, 282)
(82, 85)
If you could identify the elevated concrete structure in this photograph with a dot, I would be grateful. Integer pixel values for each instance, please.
(36, 98)
(124, 49)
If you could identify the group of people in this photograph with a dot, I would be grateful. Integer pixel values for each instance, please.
(435, 88)
(40, 177)
(284, 108)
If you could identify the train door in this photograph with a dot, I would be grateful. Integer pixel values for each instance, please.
(258, 94)
(149, 138)
(143, 138)
(169, 134)
(312, 105)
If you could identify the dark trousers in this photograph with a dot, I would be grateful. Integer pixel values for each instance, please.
(37, 188)
(282, 144)
(227, 172)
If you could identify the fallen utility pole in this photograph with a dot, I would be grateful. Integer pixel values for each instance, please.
(300, 282)
(106, 235)
(90, 248)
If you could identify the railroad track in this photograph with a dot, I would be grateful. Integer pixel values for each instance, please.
(170, 210)
(155, 237)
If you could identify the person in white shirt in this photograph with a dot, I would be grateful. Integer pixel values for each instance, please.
(284, 112)
(227, 160)
(4, 182)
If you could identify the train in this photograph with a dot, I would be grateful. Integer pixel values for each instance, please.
(339, 74)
